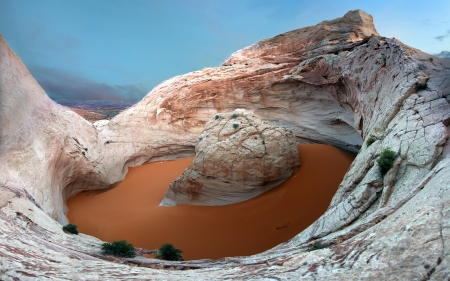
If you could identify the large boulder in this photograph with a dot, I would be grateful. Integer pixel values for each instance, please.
(238, 157)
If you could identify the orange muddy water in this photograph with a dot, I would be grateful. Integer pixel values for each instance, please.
(131, 212)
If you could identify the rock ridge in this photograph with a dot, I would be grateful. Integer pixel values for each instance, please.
(329, 87)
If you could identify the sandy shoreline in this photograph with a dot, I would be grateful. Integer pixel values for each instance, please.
(130, 211)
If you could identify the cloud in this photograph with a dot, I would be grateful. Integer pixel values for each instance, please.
(444, 55)
(60, 84)
(442, 37)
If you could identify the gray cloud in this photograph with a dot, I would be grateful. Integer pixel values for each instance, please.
(60, 84)
(442, 37)
(444, 55)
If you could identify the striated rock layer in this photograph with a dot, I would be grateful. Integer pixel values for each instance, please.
(336, 83)
(238, 157)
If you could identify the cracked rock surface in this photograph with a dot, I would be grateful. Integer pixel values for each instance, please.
(337, 83)
(238, 157)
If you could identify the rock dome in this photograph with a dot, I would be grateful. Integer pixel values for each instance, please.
(238, 157)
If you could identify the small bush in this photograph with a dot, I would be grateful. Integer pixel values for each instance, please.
(386, 160)
(431, 59)
(119, 248)
(72, 228)
(316, 246)
(169, 252)
(82, 152)
(421, 86)
(235, 126)
(263, 142)
(234, 116)
(370, 141)
(216, 117)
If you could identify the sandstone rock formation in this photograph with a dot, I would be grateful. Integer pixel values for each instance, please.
(238, 157)
(336, 83)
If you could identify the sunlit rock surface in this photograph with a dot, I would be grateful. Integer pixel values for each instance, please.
(238, 157)
(336, 83)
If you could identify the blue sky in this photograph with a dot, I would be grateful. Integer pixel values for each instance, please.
(120, 50)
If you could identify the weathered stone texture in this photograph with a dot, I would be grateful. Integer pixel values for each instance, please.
(330, 83)
(238, 157)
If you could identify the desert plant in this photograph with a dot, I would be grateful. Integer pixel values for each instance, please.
(235, 126)
(370, 141)
(72, 228)
(119, 248)
(386, 160)
(169, 252)
(234, 116)
(421, 66)
(216, 117)
(421, 86)
(316, 246)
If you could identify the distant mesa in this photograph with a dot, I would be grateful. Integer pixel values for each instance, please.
(95, 110)
(444, 55)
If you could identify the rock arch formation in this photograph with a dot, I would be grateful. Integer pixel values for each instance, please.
(337, 82)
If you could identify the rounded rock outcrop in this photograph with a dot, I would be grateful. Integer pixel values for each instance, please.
(238, 157)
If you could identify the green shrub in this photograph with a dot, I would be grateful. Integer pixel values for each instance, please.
(234, 116)
(216, 117)
(316, 246)
(421, 66)
(370, 141)
(386, 160)
(235, 126)
(119, 248)
(169, 252)
(72, 228)
(421, 86)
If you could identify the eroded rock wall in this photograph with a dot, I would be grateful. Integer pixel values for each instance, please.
(332, 83)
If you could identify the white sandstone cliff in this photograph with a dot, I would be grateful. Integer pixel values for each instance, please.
(331, 83)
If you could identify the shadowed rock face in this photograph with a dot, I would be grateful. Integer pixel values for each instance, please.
(238, 157)
(331, 83)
